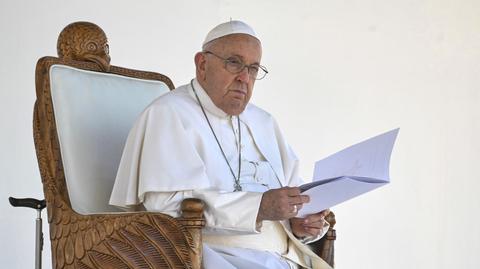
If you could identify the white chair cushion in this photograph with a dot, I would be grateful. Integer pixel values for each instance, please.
(94, 113)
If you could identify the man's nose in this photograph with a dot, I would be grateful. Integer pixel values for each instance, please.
(243, 76)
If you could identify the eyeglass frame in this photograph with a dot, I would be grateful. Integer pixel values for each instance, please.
(249, 66)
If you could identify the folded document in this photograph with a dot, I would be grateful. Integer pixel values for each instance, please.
(349, 173)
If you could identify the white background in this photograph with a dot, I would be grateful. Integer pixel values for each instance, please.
(340, 72)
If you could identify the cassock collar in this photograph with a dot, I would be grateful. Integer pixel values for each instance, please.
(207, 101)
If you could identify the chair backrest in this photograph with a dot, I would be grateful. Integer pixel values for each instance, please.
(94, 112)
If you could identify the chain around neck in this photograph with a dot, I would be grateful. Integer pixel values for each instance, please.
(236, 185)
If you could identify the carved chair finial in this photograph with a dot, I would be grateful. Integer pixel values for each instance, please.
(331, 219)
(84, 41)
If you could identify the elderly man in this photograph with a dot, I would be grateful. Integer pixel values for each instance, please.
(205, 140)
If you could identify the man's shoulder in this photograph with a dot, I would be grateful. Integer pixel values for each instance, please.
(256, 112)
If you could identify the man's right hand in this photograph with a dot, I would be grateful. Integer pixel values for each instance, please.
(281, 204)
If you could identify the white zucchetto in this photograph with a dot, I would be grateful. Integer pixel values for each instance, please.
(229, 28)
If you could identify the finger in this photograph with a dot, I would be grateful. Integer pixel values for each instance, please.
(297, 228)
(316, 225)
(312, 231)
(293, 191)
(325, 212)
(314, 218)
(292, 212)
(299, 199)
(295, 209)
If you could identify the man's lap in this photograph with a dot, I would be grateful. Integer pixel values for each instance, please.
(241, 258)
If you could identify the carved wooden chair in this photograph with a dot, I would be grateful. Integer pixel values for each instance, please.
(84, 110)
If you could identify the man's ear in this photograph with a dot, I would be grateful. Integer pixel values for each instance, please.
(200, 65)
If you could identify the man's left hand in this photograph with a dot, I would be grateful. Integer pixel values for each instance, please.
(311, 225)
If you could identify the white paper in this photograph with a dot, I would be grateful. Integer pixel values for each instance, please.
(349, 173)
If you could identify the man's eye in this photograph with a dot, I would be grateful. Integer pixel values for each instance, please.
(255, 68)
(234, 61)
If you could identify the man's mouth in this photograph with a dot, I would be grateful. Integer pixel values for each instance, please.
(239, 94)
(240, 91)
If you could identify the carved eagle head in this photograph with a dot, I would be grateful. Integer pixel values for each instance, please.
(84, 41)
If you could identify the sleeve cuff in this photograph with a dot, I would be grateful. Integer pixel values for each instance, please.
(311, 239)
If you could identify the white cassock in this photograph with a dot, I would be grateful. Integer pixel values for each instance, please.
(171, 154)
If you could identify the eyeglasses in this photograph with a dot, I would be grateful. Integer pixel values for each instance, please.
(235, 66)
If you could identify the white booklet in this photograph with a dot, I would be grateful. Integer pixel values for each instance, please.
(349, 173)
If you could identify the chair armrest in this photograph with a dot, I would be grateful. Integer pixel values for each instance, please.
(192, 219)
(127, 240)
